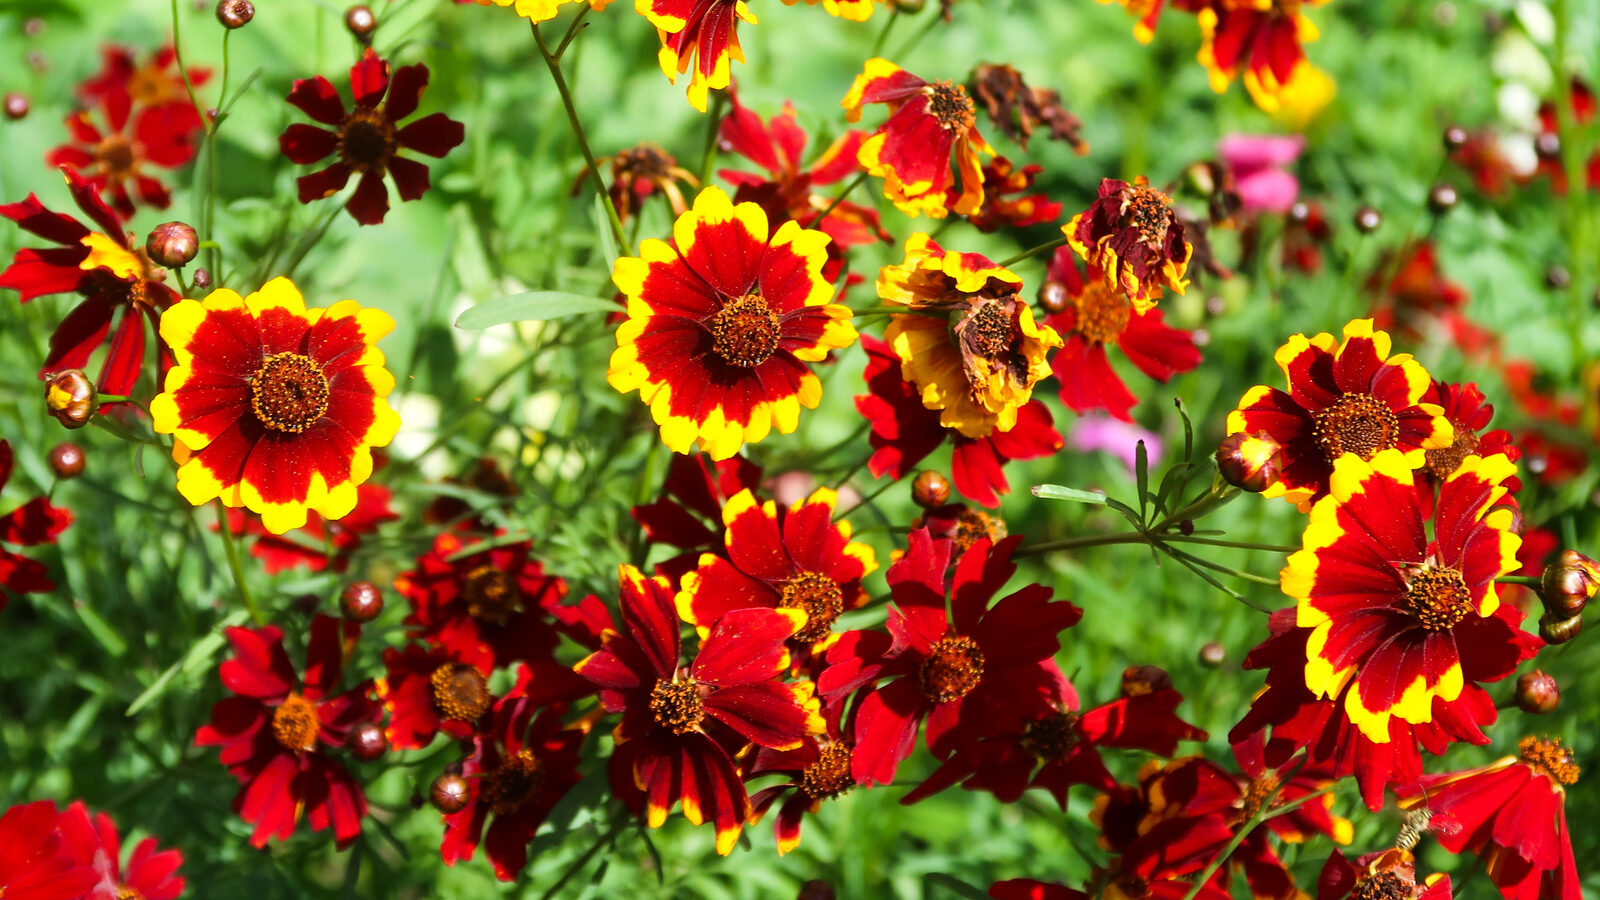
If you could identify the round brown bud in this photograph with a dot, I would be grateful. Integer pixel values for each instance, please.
(367, 741)
(1137, 680)
(1538, 693)
(69, 395)
(361, 601)
(66, 460)
(34, 27)
(1442, 198)
(1569, 584)
(1557, 630)
(361, 22)
(817, 889)
(1300, 212)
(1186, 527)
(172, 244)
(1216, 306)
(1053, 297)
(16, 105)
(1212, 654)
(1367, 219)
(235, 13)
(202, 279)
(1455, 137)
(1557, 278)
(1547, 145)
(930, 489)
(1250, 462)
(37, 61)
(449, 793)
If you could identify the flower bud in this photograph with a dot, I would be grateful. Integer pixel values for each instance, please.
(1212, 655)
(1569, 584)
(66, 460)
(1557, 278)
(70, 396)
(1250, 462)
(235, 13)
(16, 105)
(172, 245)
(817, 889)
(1548, 146)
(367, 741)
(202, 279)
(1367, 219)
(361, 602)
(1557, 630)
(1300, 212)
(449, 793)
(361, 22)
(1442, 198)
(1537, 693)
(1138, 680)
(1455, 137)
(930, 489)
(1053, 297)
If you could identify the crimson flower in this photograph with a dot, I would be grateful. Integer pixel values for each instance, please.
(32, 523)
(1388, 873)
(94, 845)
(491, 605)
(305, 547)
(1169, 826)
(1133, 237)
(32, 866)
(428, 691)
(688, 515)
(677, 719)
(971, 673)
(1029, 889)
(275, 730)
(368, 138)
(1469, 413)
(106, 267)
(1260, 43)
(698, 34)
(817, 770)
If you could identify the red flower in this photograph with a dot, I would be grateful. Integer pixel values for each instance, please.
(1387, 873)
(106, 267)
(1304, 238)
(1132, 236)
(428, 691)
(153, 90)
(703, 34)
(32, 523)
(1417, 292)
(904, 432)
(320, 540)
(639, 172)
(94, 845)
(1260, 41)
(1582, 101)
(1513, 814)
(272, 733)
(1028, 889)
(1171, 825)
(1099, 315)
(368, 138)
(928, 120)
(973, 673)
(675, 718)
(519, 768)
(1001, 179)
(32, 866)
(688, 515)
(818, 770)
(113, 159)
(491, 605)
(1468, 413)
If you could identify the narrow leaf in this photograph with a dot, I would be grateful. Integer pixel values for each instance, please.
(1061, 492)
(531, 306)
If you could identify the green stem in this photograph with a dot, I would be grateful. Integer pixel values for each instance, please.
(899, 310)
(1240, 545)
(1572, 163)
(572, 32)
(605, 840)
(865, 500)
(719, 100)
(231, 548)
(1150, 537)
(851, 473)
(554, 65)
(838, 199)
(1033, 251)
(883, 36)
(1527, 581)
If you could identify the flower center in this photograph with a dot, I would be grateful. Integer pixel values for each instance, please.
(973, 525)
(950, 104)
(677, 705)
(829, 776)
(1147, 210)
(150, 86)
(367, 140)
(1256, 794)
(513, 783)
(115, 157)
(1051, 737)
(295, 723)
(1550, 757)
(745, 332)
(491, 595)
(126, 892)
(460, 692)
(987, 331)
(643, 161)
(1354, 423)
(1437, 598)
(1103, 313)
(953, 668)
(819, 596)
(1444, 461)
(289, 392)
(1383, 886)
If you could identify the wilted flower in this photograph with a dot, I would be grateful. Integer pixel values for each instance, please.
(1132, 235)
(1016, 109)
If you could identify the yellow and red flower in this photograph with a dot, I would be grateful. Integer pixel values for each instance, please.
(1148, 13)
(310, 546)
(490, 606)
(794, 558)
(1388, 873)
(1393, 610)
(702, 34)
(94, 845)
(1099, 315)
(368, 138)
(1469, 414)
(1001, 179)
(973, 672)
(1513, 813)
(911, 151)
(536, 10)
(1261, 42)
(275, 407)
(33, 523)
(688, 515)
(818, 770)
(853, 10)
(678, 721)
(1134, 238)
(274, 729)
(971, 345)
(904, 432)
(1347, 396)
(722, 323)
(112, 273)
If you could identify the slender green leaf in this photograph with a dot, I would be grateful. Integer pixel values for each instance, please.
(1061, 492)
(531, 306)
(1141, 471)
(954, 886)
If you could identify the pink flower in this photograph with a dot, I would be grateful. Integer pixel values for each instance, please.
(1121, 439)
(1257, 161)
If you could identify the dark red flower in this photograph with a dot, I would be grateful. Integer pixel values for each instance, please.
(1469, 414)
(368, 138)
(1170, 825)
(31, 865)
(1016, 109)
(32, 523)
(1099, 315)
(1417, 294)
(275, 730)
(320, 541)
(1387, 873)
(493, 603)
(94, 845)
(1582, 100)
(688, 514)
(1028, 889)
(1304, 237)
(428, 691)
(1132, 236)
(676, 718)
(1001, 179)
(818, 770)
(111, 272)
(639, 172)
(974, 672)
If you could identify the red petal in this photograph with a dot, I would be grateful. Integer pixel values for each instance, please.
(370, 202)
(317, 98)
(304, 144)
(433, 135)
(745, 646)
(369, 78)
(405, 91)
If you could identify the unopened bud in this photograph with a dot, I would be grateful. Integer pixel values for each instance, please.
(66, 460)
(367, 741)
(1212, 655)
(235, 13)
(361, 602)
(1053, 297)
(202, 279)
(1557, 630)
(172, 245)
(817, 889)
(1538, 693)
(1455, 137)
(1203, 177)
(70, 397)
(1557, 278)
(930, 489)
(1367, 219)
(1250, 462)
(1300, 212)
(449, 793)
(1548, 146)
(1569, 584)
(1139, 680)
(1442, 198)
(16, 105)
(361, 22)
